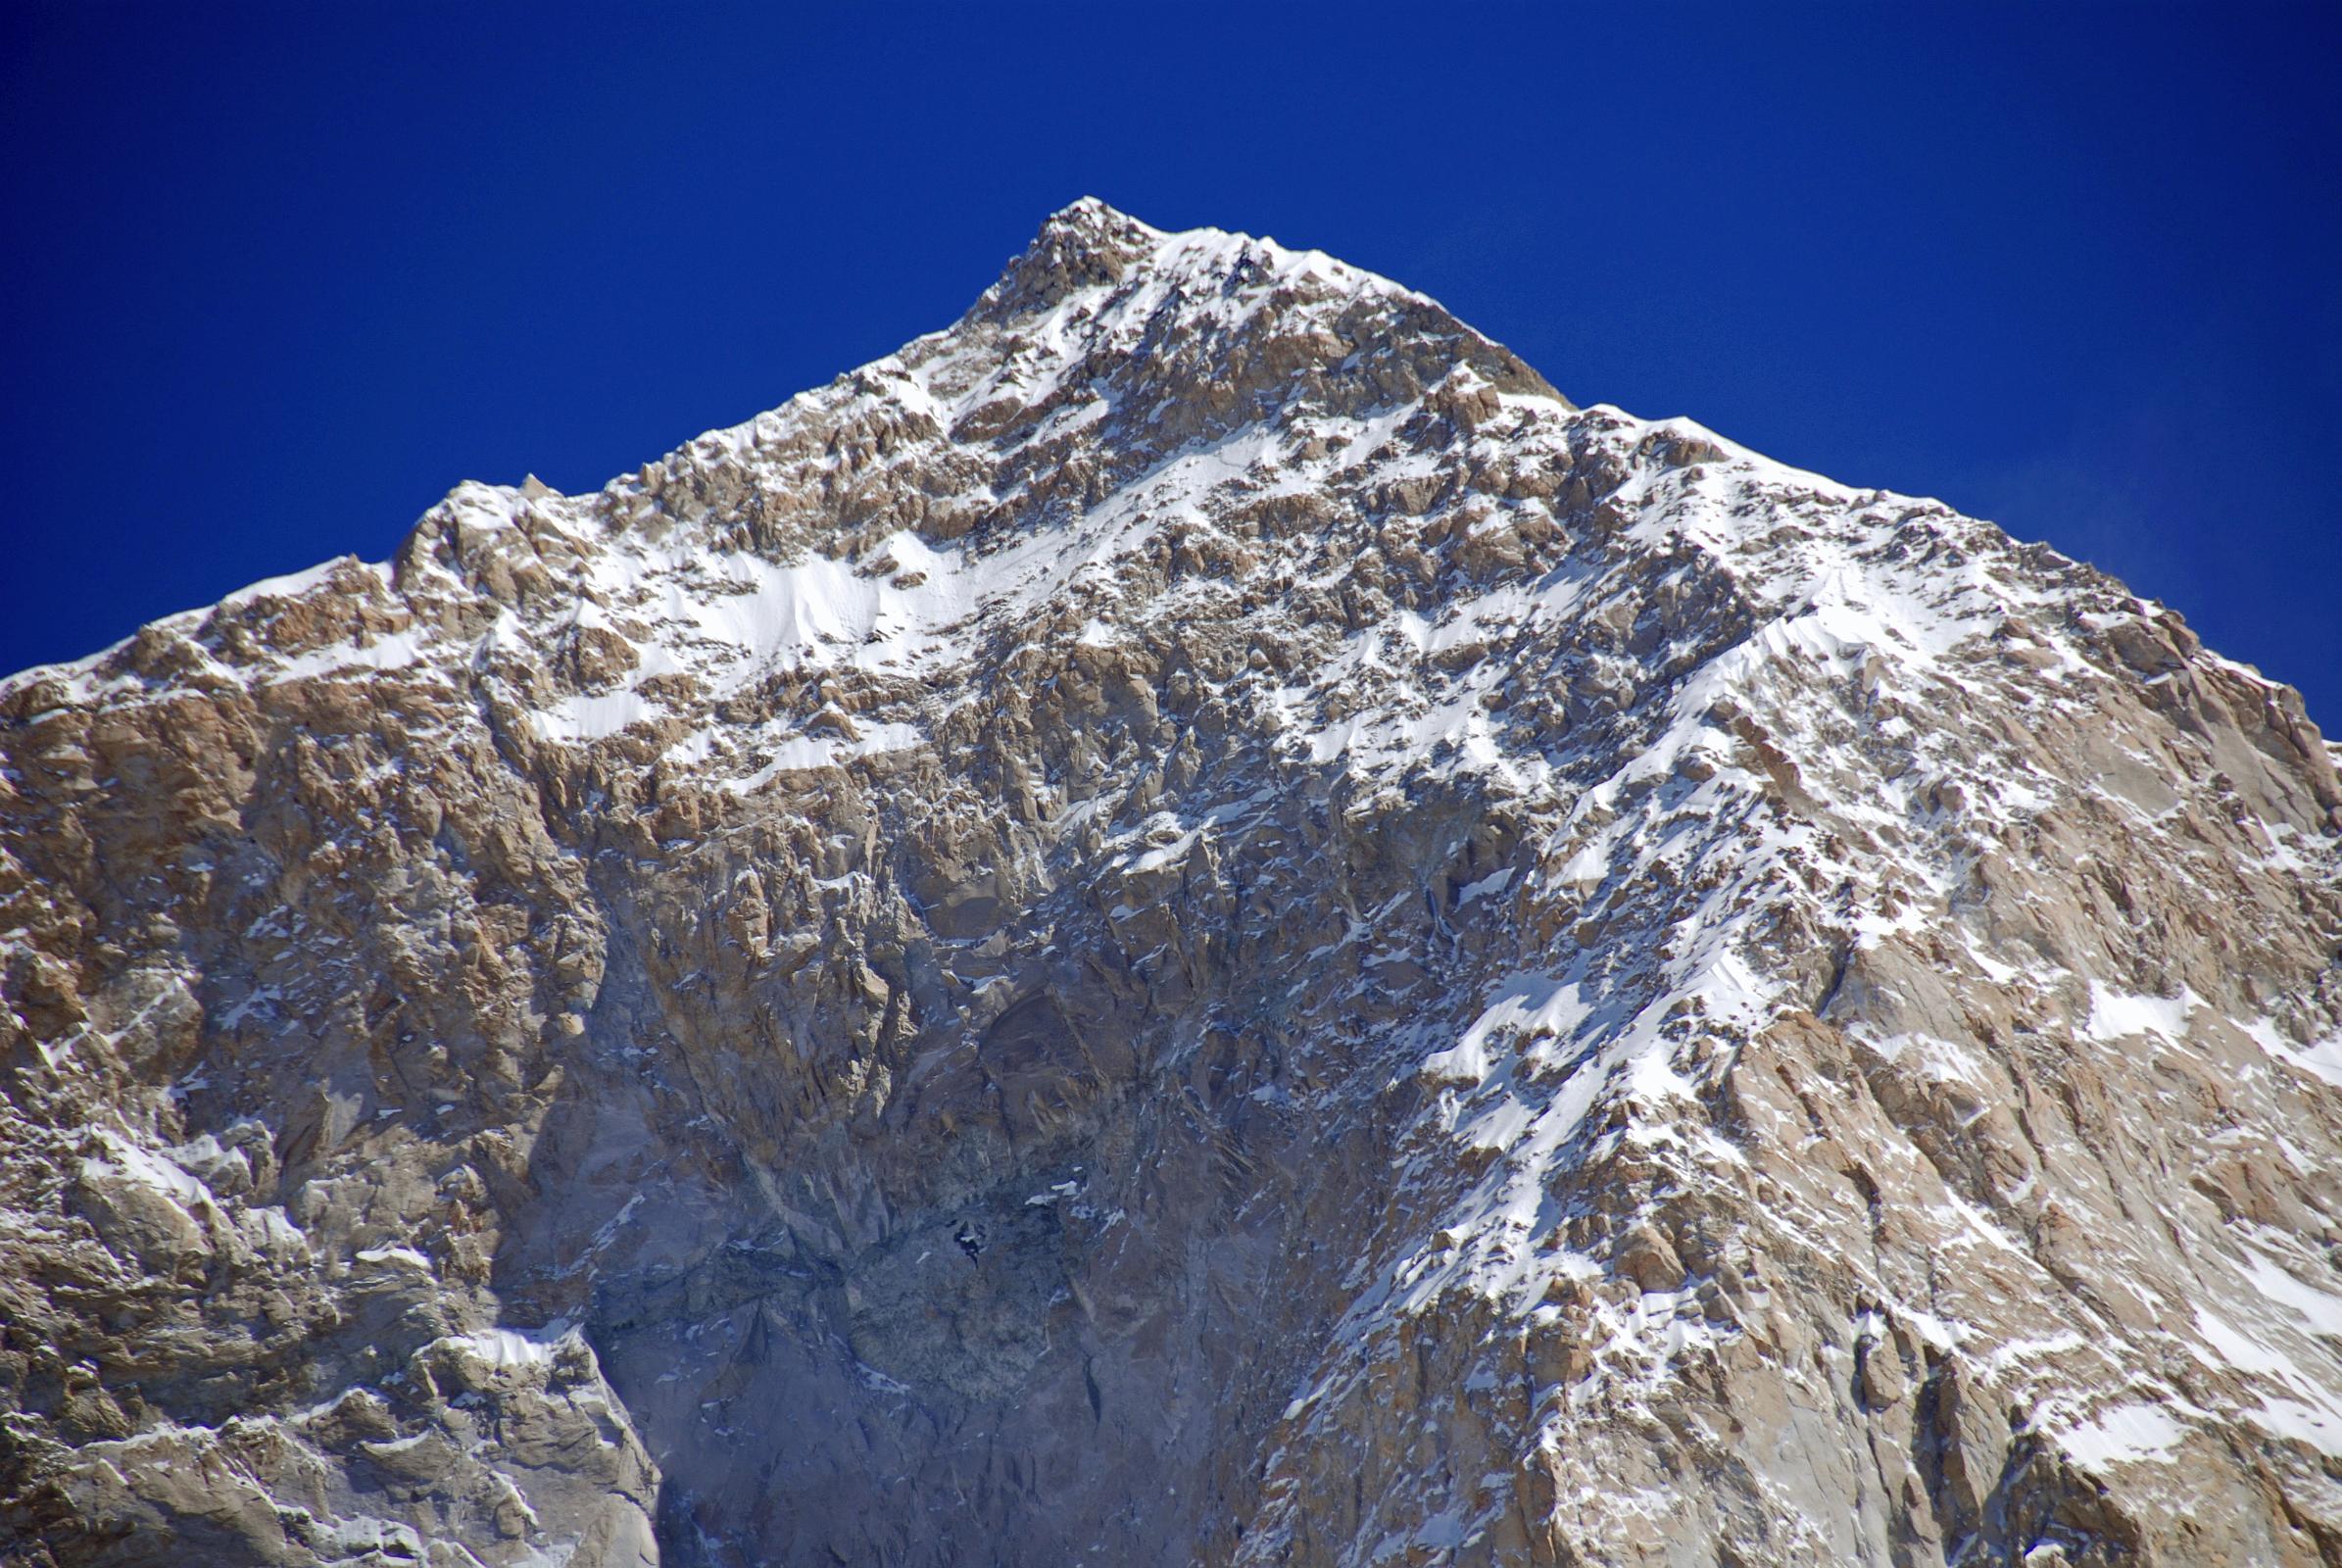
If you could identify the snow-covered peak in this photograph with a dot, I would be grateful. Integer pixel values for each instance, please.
(1085, 243)
(1600, 943)
(1124, 406)
(1090, 246)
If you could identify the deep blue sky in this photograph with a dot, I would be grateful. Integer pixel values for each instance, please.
(271, 280)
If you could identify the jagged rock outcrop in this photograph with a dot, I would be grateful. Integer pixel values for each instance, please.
(1189, 922)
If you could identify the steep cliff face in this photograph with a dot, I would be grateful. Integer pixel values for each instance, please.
(1189, 922)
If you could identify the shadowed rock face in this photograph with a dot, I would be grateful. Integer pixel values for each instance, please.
(1189, 922)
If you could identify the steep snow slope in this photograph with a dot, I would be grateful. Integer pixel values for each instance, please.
(1190, 921)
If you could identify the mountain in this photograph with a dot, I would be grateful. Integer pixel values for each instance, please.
(1190, 922)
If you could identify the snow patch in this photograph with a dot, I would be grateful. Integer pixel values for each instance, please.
(2124, 1434)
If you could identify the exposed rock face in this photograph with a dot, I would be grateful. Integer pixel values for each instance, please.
(1190, 922)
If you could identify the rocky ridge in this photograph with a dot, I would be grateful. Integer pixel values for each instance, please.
(1191, 922)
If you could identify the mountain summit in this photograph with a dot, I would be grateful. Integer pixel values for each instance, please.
(1189, 922)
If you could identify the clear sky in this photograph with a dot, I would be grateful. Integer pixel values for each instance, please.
(273, 279)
